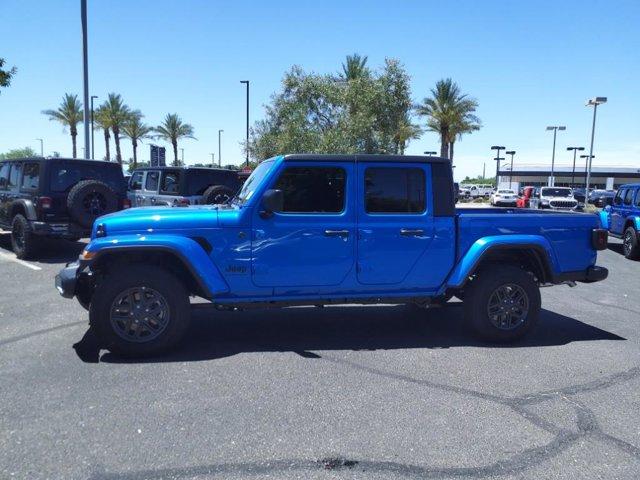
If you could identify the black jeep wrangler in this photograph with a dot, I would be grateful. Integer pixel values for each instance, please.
(56, 197)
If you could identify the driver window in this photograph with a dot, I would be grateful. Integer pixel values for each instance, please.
(618, 199)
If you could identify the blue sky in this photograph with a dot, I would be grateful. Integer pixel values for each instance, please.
(529, 64)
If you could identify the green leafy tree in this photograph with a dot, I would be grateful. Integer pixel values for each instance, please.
(450, 113)
(69, 114)
(117, 113)
(6, 75)
(173, 129)
(102, 121)
(136, 130)
(18, 153)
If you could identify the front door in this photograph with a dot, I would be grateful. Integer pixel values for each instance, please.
(312, 241)
(150, 190)
(619, 210)
(395, 225)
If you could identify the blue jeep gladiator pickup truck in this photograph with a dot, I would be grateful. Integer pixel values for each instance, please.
(622, 219)
(327, 229)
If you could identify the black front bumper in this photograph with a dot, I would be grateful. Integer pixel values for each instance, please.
(67, 279)
(590, 275)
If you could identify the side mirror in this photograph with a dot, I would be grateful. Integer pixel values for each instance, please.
(272, 202)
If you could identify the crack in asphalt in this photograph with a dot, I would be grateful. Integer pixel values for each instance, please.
(586, 423)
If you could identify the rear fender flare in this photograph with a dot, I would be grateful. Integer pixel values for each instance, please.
(25, 206)
(470, 261)
(194, 258)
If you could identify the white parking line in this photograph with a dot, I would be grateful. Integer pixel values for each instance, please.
(12, 258)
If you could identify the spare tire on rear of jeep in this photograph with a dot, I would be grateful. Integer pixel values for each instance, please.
(217, 194)
(90, 199)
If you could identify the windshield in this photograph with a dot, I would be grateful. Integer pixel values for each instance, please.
(555, 192)
(249, 187)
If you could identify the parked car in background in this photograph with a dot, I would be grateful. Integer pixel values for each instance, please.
(297, 230)
(162, 186)
(622, 219)
(57, 198)
(578, 194)
(527, 193)
(463, 191)
(477, 191)
(601, 198)
(556, 198)
(456, 192)
(504, 198)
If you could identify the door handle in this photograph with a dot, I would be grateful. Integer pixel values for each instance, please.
(336, 233)
(409, 232)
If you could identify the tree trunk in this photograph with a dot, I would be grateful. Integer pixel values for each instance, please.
(106, 145)
(175, 153)
(444, 145)
(135, 153)
(73, 142)
(116, 138)
(402, 148)
(451, 151)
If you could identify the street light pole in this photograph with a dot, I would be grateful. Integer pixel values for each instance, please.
(594, 102)
(219, 149)
(182, 155)
(552, 179)
(512, 153)
(85, 65)
(41, 147)
(93, 148)
(497, 159)
(573, 172)
(246, 147)
(586, 167)
(213, 162)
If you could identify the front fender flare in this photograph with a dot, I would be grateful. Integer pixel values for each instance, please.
(469, 262)
(188, 251)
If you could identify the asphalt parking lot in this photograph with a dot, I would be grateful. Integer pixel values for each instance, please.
(318, 393)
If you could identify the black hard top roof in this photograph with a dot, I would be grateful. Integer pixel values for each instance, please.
(186, 167)
(58, 159)
(367, 158)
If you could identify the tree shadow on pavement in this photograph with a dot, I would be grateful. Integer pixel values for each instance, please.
(215, 334)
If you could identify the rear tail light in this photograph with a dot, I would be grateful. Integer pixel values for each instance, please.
(183, 202)
(126, 203)
(599, 238)
(45, 203)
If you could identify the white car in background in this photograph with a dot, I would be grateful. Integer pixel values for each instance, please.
(557, 198)
(504, 197)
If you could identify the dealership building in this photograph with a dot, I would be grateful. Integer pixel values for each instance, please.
(609, 178)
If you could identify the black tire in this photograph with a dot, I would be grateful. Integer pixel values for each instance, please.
(217, 194)
(119, 336)
(630, 244)
(23, 242)
(490, 284)
(90, 199)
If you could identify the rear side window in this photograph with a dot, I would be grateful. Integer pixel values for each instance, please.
(31, 177)
(628, 197)
(4, 176)
(198, 180)
(136, 181)
(638, 198)
(312, 189)
(394, 190)
(151, 182)
(14, 176)
(170, 183)
(619, 196)
(64, 175)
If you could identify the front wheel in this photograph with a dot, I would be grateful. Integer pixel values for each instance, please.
(139, 310)
(502, 304)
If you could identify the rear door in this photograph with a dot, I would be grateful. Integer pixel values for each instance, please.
(395, 224)
(169, 193)
(620, 209)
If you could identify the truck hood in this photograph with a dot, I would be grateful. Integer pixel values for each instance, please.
(150, 219)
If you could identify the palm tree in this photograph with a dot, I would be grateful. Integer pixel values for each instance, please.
(117, 113)
(136, 130)
(101, 120)
(171, 130)
(69, 114)
(355, 67)
(449, 113)
(405, 132)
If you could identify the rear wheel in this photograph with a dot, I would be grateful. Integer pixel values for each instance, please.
(23, 242)
(217, 194)
(630, 244)
(139, 311)
(502, 304)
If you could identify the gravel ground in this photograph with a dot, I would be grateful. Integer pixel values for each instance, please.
(322, 393)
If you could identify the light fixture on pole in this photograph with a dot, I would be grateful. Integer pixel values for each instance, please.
(85, 71)
(431, 153)
(219, 148)
(573, 171)
(93, 147)
(552, 180)
(586, 167)
(41, 146)
(497, 159)
(593, 102)
(512, 153)
(246, 147)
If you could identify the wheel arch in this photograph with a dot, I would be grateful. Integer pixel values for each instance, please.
(25, 208)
